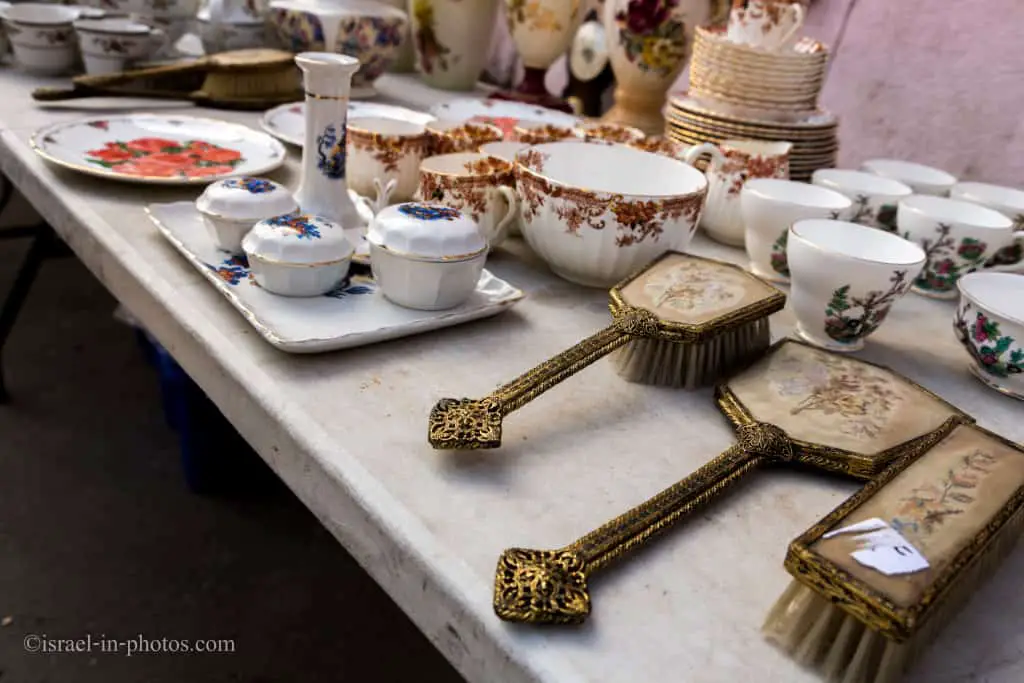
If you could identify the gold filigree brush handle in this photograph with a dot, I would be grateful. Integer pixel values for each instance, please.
(550, 586)
(476, 423)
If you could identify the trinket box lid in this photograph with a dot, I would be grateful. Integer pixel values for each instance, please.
(426, 231)
(246, 198)
(298, 239)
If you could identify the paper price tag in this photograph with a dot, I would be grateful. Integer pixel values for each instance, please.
(883, 549)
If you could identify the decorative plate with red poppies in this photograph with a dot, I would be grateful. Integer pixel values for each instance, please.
(166, 150)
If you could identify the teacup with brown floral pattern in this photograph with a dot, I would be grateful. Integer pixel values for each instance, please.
(477, 185)
(537, 132)
(597, 131)
(449, 137)
(382, 150)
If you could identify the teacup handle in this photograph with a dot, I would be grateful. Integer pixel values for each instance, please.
(383, 193)
(1018, 267)
(505, 224)
(797, 10)
(700, 150)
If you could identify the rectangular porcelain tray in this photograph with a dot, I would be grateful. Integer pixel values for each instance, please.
(353, 315)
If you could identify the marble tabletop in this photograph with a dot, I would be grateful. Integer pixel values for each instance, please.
(347, 432)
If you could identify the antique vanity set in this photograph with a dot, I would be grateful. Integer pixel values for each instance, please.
(389, 230)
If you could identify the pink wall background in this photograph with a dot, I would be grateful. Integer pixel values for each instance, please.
(938, 82)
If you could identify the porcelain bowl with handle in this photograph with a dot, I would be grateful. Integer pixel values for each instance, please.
(989, 323)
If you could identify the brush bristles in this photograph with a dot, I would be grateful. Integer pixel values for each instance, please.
(664, 363)
(268, 83)
(822, 637)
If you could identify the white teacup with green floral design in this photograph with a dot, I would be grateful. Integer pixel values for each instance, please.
(874, 197)
(1007, 201)
(920, 178)
(770, 207)
(844, 279)
(957, 238)
(989, 323)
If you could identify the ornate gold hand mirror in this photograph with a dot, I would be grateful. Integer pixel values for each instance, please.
(797, 404)
(683, 320)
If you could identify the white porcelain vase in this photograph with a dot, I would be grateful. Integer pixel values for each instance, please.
(323, 190)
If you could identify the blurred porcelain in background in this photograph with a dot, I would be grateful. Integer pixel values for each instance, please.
(658, 144)
(232, 25)
(448, 136)
(844, 278)
(298, 255)
(920, 178)
(539, 132)
(733, 163)
(372, 32)
(42, 37)
(989, 323)
(770, 207)
(112, 45)
(874, 197)
(232, 207)
(1007, 201)
(597, 213)
(957, 238)
(5, 43)
(426, 256)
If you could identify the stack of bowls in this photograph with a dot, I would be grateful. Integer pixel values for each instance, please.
(780, 81)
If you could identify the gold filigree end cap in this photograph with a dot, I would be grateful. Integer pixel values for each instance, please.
(465, 424)
(541, 587)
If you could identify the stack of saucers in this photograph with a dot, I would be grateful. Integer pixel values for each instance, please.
(813, 134)
(782, 82)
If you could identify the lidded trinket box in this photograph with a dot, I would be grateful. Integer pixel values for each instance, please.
(231, 207)
(298, 254)
(426, 256)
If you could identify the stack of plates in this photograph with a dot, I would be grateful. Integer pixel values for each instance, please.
(814, 135)
(787, 81)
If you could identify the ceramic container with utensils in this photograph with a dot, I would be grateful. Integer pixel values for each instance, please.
(844, 278)
(989, 323)
(767, 24)
(381, 150)
(733, 163)
(42, 37)
(477, 185)
(542, 31)
(1007, 201)
(770, 207)
(426, 256)
(596, 213)
(453, 40)
(298, 255)
(449, 137)
(372, 32)
(597, 131)
(113, 45)
(920, 178)
(537, 132)
(957, 237)
(231, 208)
(874, 197)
